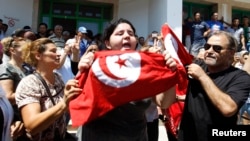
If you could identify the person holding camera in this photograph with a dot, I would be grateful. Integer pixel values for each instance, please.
(154, 39)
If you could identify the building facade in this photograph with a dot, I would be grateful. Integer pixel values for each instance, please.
(146, 15)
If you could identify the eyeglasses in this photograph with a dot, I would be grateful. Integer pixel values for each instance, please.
(14, 42)
(216, 48)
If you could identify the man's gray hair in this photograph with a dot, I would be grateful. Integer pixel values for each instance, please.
(232, 42)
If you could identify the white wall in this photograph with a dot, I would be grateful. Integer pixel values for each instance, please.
(16, 13)
(146, 15)
(136, 11)
(157, 14)
(174, 16)
(150, 15)
(166, 11)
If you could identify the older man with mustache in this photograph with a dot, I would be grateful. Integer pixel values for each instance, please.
(216, 90)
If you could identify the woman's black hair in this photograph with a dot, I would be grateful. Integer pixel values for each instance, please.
(110, 29)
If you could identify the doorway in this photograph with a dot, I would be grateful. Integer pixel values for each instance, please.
(68, 24)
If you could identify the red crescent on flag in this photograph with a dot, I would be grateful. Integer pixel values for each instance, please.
(106, 70)
(146, 76)
(118, 70)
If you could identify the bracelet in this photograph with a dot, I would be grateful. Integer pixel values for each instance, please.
(179, 99)
(163, 118)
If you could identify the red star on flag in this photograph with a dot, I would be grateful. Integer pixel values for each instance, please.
(121, 62)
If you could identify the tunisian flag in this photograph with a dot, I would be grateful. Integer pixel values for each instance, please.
(177, 51)
(116, 78)
(174, 46)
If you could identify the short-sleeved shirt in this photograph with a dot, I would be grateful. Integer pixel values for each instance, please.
(197, 30)
(8, 71)
(59, 42)
(31, 90)
(237, 33)
(215, 26)
(247, 33)
(199, 112)
(124, 123)
(65, 71)
(84, 44)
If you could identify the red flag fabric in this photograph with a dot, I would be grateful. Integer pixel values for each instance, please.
(174, 46)
(116, 78)
(177, 50)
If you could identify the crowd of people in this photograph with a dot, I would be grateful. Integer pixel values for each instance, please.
(196, 31)
(37, 82)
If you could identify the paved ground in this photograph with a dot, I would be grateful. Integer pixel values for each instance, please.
(162, 132)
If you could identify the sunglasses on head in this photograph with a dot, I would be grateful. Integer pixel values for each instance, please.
(216, 48)
(11, 41)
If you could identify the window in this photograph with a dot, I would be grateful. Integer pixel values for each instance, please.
(72, 14)
(107, 13)
(190, 8)
(90, 11)
(240, 14)
(63, 9)
(47, 9)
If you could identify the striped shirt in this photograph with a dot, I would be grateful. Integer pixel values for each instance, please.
(59, 42)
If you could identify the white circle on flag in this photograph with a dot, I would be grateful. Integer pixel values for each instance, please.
(172, 46)
(120, 70)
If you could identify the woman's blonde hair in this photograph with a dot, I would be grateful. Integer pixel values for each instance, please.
(36, 47)
(9, 42)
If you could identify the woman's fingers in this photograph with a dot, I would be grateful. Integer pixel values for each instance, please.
(86, 61)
